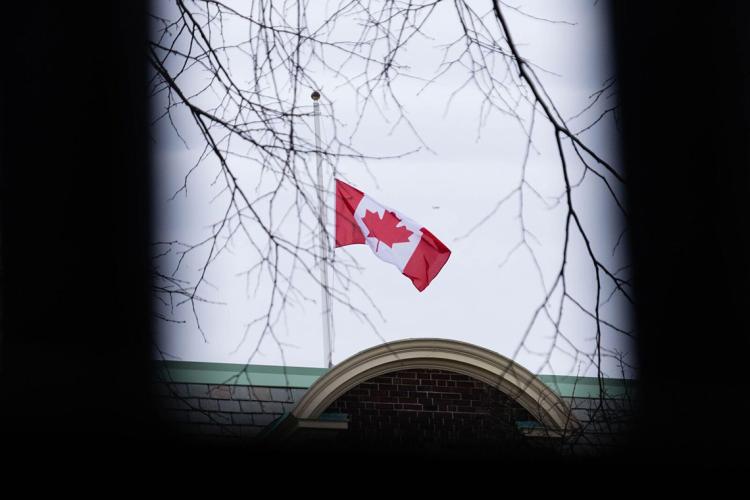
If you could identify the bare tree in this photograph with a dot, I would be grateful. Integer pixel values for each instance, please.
(252, 114)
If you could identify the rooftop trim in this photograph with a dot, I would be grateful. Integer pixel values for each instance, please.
(588, 387)
(196, 372)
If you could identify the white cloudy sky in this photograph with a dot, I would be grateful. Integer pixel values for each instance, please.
(448, 190)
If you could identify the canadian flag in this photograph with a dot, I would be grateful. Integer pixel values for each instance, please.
(395, 238)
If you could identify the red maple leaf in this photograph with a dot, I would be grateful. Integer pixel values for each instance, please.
(385, 229)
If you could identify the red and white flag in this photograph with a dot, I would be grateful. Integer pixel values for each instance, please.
(415, 251)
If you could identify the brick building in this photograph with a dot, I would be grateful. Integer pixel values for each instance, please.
(426, 394)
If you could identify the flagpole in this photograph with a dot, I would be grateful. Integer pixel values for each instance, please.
(323, 251)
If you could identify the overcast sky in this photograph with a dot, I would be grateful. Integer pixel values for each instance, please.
(448, 190)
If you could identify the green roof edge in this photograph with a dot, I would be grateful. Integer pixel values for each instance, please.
(197, 372)
(589, 387)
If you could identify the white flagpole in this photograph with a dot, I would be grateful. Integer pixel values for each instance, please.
(324, 244)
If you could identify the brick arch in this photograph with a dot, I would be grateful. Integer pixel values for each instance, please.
(426, 407)
(451, 356)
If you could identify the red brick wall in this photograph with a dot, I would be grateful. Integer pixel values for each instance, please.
(429, 406)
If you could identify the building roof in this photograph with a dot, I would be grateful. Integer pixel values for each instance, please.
(229, 400)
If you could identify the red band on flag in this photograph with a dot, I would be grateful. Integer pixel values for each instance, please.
(427, 260)
(347, 229)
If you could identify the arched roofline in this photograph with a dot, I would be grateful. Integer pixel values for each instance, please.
(440, 354)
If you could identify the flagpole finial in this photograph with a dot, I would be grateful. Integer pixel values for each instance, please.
(315, 95)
